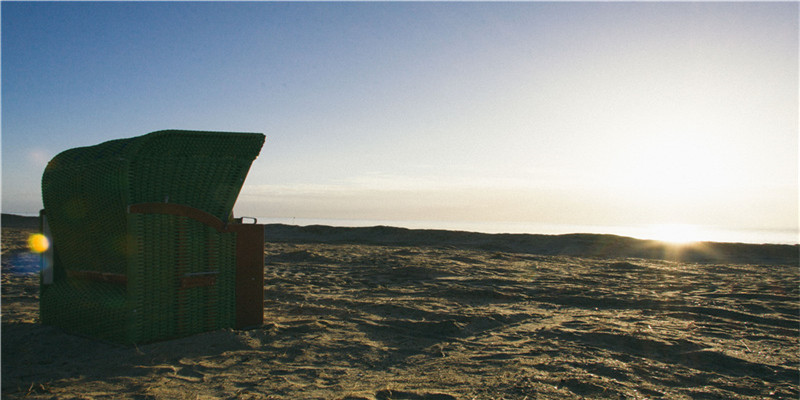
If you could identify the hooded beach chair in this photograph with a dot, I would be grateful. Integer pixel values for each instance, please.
(144, 245)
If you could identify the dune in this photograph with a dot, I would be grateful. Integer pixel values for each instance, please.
(578, 244)
(391, 313)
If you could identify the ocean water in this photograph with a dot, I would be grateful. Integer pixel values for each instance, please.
(673, 233)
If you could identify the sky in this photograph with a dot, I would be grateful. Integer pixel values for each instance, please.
(651, 114)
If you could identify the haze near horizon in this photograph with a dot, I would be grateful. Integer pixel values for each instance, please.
(640, 114)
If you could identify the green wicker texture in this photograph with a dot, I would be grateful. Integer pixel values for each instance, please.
(168, 248)
(96, 309)
(86, 192)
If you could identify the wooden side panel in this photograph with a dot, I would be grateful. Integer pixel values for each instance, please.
(249, 274)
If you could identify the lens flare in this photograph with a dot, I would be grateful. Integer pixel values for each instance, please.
(38, 243)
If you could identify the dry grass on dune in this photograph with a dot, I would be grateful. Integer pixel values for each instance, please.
(375, 321)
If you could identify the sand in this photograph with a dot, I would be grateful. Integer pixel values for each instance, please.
(348, 320)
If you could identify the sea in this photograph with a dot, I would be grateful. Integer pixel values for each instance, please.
(671, 233)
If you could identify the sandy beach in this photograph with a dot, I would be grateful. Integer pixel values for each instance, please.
(386, 313)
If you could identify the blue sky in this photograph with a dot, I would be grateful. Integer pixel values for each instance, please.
(574, 113)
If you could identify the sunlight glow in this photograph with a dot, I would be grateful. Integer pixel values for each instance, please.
(675, 233)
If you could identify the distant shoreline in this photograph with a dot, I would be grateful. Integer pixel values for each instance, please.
(687, 232)
(576, 244)
(19, 221)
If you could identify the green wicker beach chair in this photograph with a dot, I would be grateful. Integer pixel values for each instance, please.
(144, 247)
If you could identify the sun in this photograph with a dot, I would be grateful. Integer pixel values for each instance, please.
(675, 233)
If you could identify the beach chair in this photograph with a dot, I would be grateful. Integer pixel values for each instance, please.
(144, 246)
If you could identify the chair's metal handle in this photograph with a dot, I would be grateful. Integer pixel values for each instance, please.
(241, 220)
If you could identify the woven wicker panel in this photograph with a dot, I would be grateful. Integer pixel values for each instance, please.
(96, 309)
(86, 213)
(170, 253)
(203, 170)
